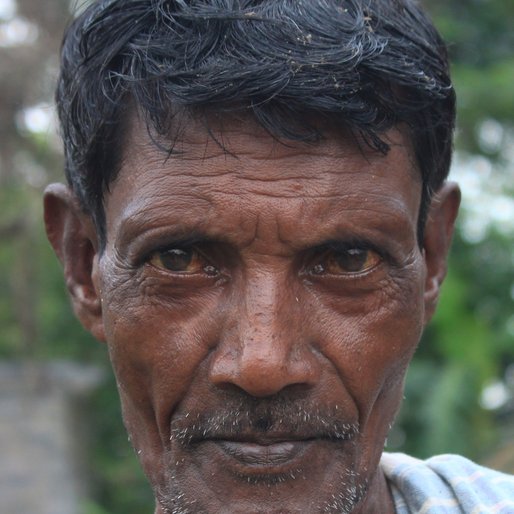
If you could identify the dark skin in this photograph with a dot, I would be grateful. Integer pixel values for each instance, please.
(260, 312)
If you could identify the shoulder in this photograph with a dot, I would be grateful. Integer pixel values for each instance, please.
(446, 484)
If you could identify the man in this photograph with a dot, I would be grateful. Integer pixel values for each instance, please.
(256, 223)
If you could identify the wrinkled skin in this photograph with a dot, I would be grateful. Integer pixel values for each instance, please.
(260, 308)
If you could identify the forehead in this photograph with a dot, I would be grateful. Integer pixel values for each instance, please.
(236, 174)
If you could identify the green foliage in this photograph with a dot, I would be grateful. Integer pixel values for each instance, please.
(469, 341)
(90, 507)
(483, 90)
(118, 480)
(480, 35)
(466, 345)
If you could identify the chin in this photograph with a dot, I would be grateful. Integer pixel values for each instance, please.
(315, 477)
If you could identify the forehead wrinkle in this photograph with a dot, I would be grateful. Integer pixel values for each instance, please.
(202, 201)
(321, 174)
(269, 231)
(334, 227)
(151, 158)
(194, 145)
(299, 173)
(248, 164)
(198, 147)
(143, 216)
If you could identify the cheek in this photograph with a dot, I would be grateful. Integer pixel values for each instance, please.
(157, 349)
(371, 343)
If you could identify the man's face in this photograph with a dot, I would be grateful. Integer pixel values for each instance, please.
(261, 303)
(261, 306)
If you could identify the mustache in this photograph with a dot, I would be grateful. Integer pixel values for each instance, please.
(249, 418)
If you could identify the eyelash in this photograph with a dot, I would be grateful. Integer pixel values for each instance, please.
(323, 258)
(182, 244)
(341, 246)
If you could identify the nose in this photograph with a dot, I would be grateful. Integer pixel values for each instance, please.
(262, 349)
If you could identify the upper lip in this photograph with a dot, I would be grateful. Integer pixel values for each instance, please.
(267, 439)
(246, 427)
(262, 441)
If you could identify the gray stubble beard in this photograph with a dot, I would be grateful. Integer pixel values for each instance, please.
(173, 500)
(344, 501)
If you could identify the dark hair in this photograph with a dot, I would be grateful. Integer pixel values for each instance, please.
(359, 65)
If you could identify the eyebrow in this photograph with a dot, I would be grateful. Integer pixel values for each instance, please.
(171, 233)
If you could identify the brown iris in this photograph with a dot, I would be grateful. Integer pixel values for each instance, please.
(180, 260)
(347, 261)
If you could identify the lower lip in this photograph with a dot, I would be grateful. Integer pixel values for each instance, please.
(269, 456)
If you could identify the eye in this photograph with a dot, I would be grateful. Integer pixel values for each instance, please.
(346, 261)
(187, 261)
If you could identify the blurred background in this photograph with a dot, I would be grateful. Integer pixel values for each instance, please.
(61, 434)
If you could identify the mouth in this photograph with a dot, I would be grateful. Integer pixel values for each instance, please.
(268, 456)
(255, 471)
(265, 442)
(264, 455)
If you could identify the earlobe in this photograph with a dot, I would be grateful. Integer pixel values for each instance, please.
(437, 241)
(73, 237)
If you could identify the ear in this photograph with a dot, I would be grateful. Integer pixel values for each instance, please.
(73, 237)
(437, 241)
